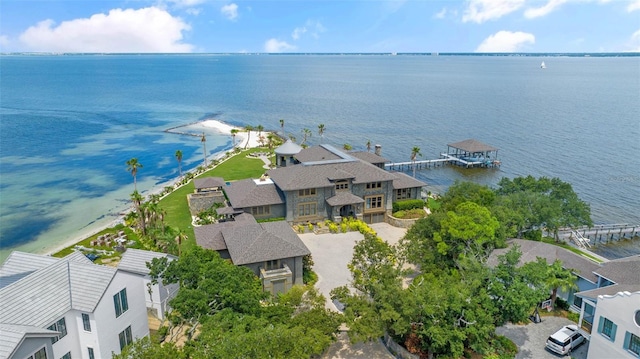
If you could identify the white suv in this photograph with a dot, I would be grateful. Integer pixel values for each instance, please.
(565, 339)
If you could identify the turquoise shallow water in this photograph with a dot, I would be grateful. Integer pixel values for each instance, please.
(69, 123)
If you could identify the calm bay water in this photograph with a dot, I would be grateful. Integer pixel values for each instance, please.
(69, 123)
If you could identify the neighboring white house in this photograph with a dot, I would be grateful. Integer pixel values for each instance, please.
(616, 332)
(157, 295)
(83, 310)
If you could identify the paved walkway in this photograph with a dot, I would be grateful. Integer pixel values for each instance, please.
(531, 338)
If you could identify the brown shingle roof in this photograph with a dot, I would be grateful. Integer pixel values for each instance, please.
(369, 157)
(622, 271)
(316, 153)
(472, 145)
(208, 182)
(403, 180)
(344, 198)
(210, 236)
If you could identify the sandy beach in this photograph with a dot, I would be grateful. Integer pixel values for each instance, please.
(150, 186)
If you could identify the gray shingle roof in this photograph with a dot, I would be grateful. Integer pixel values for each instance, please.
(369, 157)
(256, 243)
(609, 290)
(248, 193)
(12, 335)
(622, 271)
(343, 198)
(531, 250)
(208, 182)
(403, 180)
(317, 153)
(288, 148)
(250, 242)
(135, 260)
(293, 178)
(46, 294)
(472, 145)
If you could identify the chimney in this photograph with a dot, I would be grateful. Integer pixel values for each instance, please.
(378, 150)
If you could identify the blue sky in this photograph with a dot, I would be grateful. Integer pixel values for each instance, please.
(319, 26)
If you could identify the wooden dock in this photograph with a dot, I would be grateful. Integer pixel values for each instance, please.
(445, 159)
(469, 153)
(602, 233)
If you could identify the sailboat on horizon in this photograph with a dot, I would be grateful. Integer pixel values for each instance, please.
(542, 65)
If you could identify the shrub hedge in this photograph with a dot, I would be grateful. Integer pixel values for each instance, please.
(407, 204)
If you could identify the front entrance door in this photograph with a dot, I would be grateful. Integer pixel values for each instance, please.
(347, 211)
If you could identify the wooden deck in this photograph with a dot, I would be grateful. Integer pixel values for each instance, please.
(445, 159)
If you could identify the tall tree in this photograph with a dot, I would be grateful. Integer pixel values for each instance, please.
(259, 128)
(234, 133)
(203, 139)
(249, 128)
(132, 167)
(179, 158)
(368, 145)
(558, 277)
(321, 130)
(415, 152)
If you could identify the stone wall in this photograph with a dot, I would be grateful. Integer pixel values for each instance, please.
(199, 202)
(400, 223)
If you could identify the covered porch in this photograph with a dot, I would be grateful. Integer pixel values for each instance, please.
(345, 204)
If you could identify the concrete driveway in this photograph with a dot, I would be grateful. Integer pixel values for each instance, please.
(531, 338)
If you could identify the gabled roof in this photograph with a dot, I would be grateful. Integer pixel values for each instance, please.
(532, 249)
(403, 180)
(369, 157)
(343, 198)
(250, 242)
(43, 296)
(208, 182)
(135, 260)
(621, 271)
(472, 145)
(263, 242)
(288, 148)
(609, 290)
(20, 264)
(13, 335)
(248, 193)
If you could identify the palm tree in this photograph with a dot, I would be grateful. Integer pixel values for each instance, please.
(179, 158)
(137, 199)
(249, 128)
(306, 133)
(368, 145)
(415, 152)
(132, 167)
(234, 132)
(321, 131)
(347, 147)
(259, 128)
(270, 138)
(180, 237)
(282, 127)
(203, 139)
(559, 277)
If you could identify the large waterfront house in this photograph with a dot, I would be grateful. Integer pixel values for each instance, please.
(272, 250)
(70, 307)
(319, 183)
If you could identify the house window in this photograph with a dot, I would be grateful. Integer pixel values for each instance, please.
(403, 193)
(120, 302)
(40, 354)
(85, 322)
(260, 210)
(373, 185)
(373, 202)
(307, 209)
(271, 265)
(632, 343)
(59, 326)
(66, 356)
(307, 192)
(125, 337)
(342, 185)
(91, 354)
(607, 328)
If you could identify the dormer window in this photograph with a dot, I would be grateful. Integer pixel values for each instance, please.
(342, 185)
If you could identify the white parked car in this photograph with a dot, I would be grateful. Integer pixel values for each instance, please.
(565, 340)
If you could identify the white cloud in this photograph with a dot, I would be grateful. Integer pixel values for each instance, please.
(480, 11)
(230, 11)
(313, 27)
(506, 41)
(633, 6)
(543, 10)
(634, 43)
(187, 3)
(441, 14)
(193, 11)
(4, 41)
(143, 30)
(275, 45)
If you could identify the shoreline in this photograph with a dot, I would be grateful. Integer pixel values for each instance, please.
(243, 138)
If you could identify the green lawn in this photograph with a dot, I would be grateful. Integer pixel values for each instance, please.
(235, 168)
